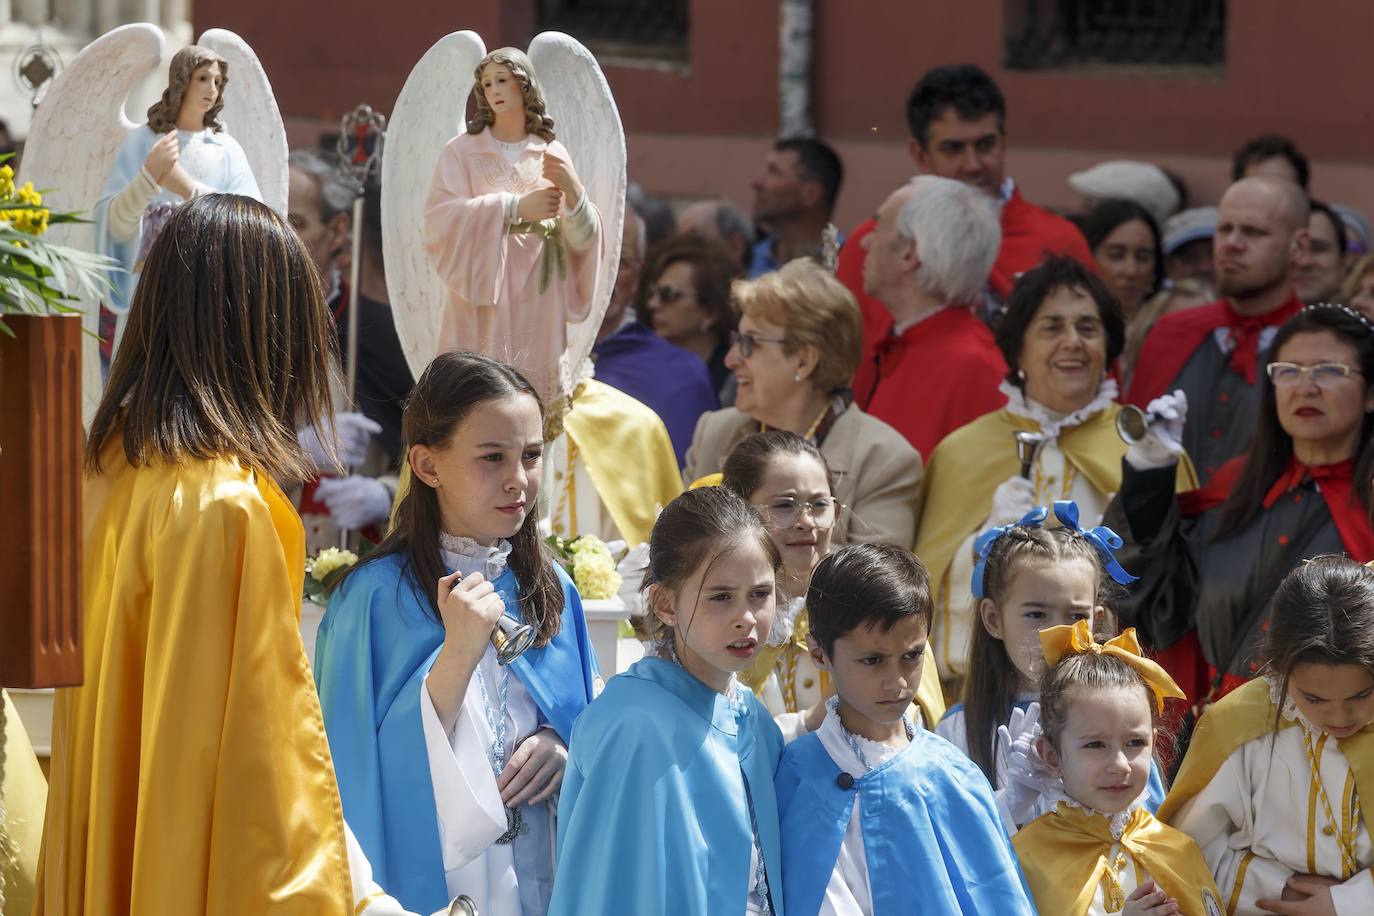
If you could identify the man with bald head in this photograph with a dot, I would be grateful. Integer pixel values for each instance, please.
(1214, 353)
(673, 382)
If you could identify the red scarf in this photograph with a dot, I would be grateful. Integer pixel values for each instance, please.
(1336, 483)
(1245, 333)
(1176, 337)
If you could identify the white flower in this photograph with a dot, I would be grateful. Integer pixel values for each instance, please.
(329, 560)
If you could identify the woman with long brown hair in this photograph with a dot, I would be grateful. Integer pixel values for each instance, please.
(190, 771)
(447, 758)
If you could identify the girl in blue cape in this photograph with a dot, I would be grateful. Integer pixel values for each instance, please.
(668, 804)
(446, 759)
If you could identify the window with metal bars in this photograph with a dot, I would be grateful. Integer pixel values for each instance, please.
(629, 28)
(1069, 34)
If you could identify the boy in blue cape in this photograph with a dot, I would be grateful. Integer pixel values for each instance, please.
(878, 815)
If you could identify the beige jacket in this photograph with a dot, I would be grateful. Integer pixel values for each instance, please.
(877, 472)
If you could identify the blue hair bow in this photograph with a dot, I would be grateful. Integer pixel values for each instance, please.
(1103, 539)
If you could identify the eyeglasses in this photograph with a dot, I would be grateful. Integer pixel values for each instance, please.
(666, 294)
(784, 513)
(748, 340)
(1324, 375)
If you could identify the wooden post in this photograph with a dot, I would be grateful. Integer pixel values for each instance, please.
(40, 501)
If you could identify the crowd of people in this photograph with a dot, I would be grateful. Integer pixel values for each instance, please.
(925, 628)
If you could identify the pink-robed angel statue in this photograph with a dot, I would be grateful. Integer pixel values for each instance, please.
(493, 240)
(511, 232)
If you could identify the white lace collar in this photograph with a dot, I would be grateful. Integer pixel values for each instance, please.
(466, 556)
(1055, 796)
(875, 752)
(1288, 709)
(785, 621)
(1051, 424)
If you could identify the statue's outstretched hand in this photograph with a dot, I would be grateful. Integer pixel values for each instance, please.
(541, 203)
(164, 154)
(564, 177)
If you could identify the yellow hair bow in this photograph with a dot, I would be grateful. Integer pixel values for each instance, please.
(1057, 642)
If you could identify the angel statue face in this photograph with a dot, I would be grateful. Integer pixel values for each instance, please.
(202, 93)
(195, 74)
(505, 81)
(502, 89)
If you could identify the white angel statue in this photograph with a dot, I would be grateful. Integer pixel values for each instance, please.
(495, 242)
(130, 176)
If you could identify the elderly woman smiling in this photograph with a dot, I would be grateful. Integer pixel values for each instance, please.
(1061, 331)
(794, 353)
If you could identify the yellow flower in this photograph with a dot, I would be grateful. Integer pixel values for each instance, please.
(329, 560)
(34, 222)
(596, 577)
(29, 196)
(6, 181)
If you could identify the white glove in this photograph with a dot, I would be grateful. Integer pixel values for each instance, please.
(1022, 775)
(1163, 441)
(354, 502)
(1011, 501)
(353, 431)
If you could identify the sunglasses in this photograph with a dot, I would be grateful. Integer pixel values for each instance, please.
(666, 294)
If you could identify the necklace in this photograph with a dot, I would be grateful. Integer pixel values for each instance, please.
(1344, 838)
(810, 433)
(853, 741)
(515, 820)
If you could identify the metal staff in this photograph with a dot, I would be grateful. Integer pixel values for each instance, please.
(362, 134)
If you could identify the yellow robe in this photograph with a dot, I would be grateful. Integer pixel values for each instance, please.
(25, 791)
(1064, 853)
(190, 771)
(970, 463)
(628, 455)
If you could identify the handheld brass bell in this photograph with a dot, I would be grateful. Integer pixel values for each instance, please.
(511, 638)
(1132, 423)
(1027, 443)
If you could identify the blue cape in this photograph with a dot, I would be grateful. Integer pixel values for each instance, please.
(933, 839)
(376, 643)
(652, 817)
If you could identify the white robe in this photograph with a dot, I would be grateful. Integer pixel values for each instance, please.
(503, 880)
(1260, 821)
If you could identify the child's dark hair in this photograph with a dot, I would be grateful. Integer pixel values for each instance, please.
(872, 585)
(1091, 672)
(698, 527)
(450, 389)
(749, 460)
(990, 688)
(1322, 612)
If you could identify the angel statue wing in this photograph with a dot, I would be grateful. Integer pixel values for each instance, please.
(251, 115)
(430, 110)
(76, 133)
(587, 122)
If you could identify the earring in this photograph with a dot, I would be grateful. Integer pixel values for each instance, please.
(796, 376)
(1021, 374)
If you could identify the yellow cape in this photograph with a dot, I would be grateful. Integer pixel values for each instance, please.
(628, 455)
(190, 771)
(970, 463)
(25, 791)
(1239, 718)
(1063, 855)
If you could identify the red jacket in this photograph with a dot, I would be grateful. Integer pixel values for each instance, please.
(1028, 234)
(939, 375)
